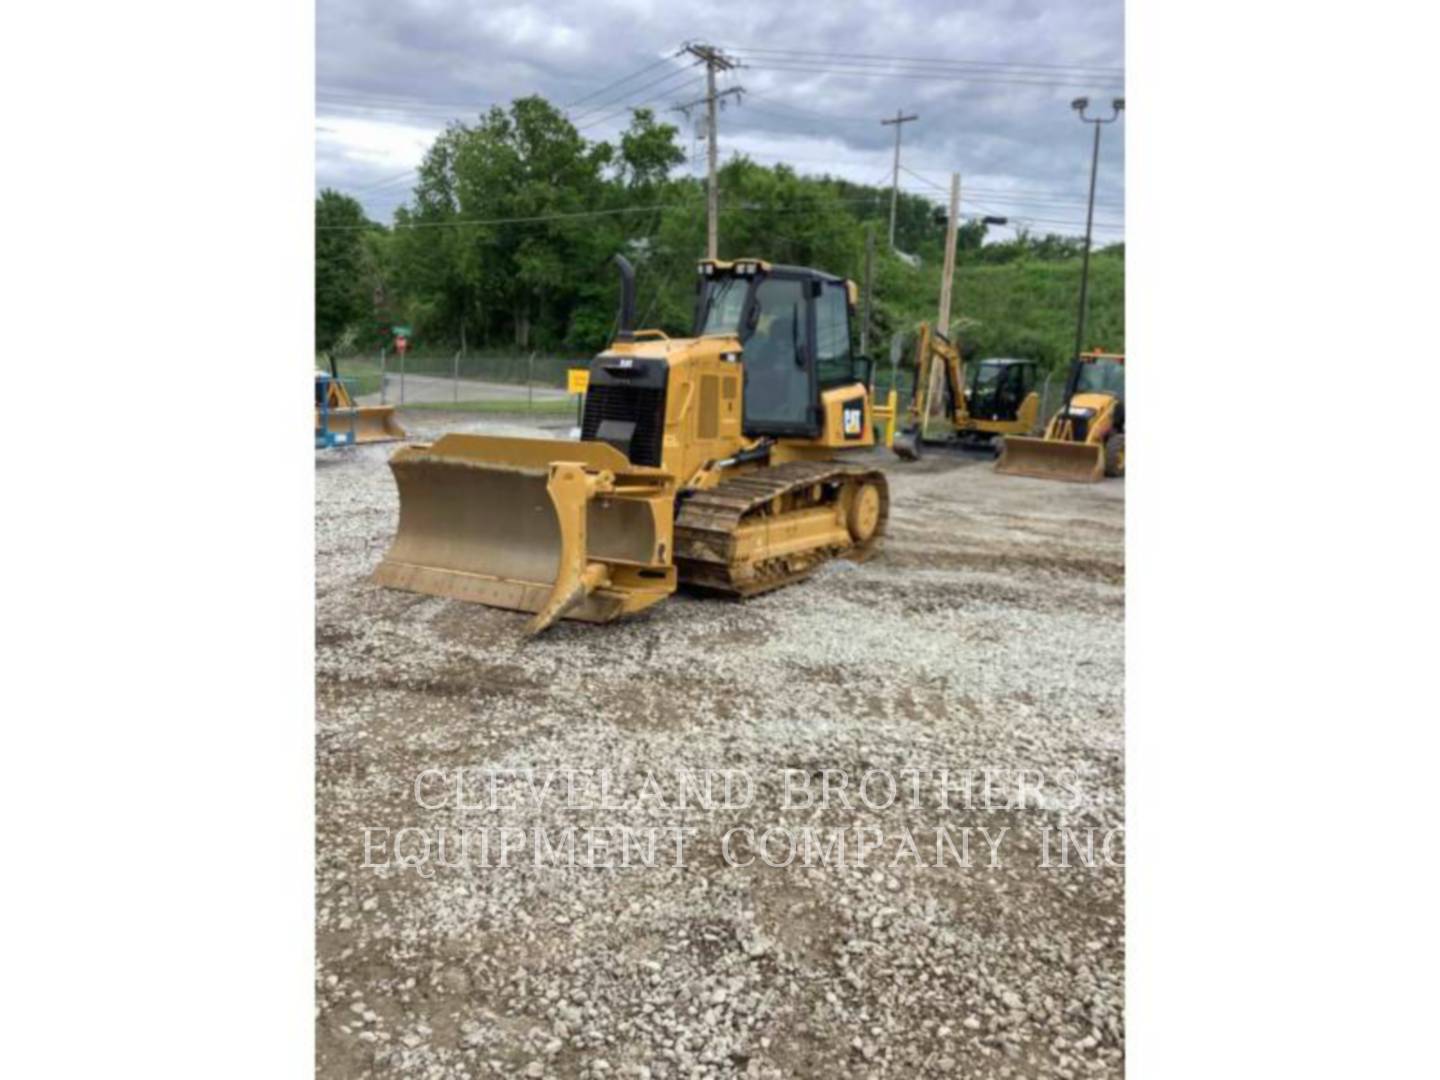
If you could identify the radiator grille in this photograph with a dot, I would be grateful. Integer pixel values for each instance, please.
(643, 406)
(709, 406)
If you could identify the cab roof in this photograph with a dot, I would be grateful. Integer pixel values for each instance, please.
(752, 265)
(723, 265)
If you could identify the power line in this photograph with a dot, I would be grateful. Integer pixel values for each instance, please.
(572, 214)
(620, 82)
(936, 61)
(812, 112)
(562, 215)
(386, 182)
(591, 110)
(864, 72)
(1025, 197)
(732, 208)
(1058, 196)
(371, 99)
(633, 105)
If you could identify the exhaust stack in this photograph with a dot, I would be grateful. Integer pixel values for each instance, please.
(627, 299)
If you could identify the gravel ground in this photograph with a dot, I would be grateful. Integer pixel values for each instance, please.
(988, 634)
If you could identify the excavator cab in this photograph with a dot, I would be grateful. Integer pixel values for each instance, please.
(998, 388)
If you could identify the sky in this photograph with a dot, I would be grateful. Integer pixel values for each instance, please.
(991, 82)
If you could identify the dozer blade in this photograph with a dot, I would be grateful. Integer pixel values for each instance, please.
(1052, 459)
(559, 529)
(373, 424)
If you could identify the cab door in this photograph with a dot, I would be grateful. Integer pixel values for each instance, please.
(778, 354)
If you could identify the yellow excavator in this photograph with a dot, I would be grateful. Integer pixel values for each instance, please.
(977, 400)
(708, 460)
(1085, 440)
(334, 407)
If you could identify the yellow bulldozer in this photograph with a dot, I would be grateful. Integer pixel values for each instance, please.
(1085, 439)
(708, 460)
(336, 409)
(969, 403)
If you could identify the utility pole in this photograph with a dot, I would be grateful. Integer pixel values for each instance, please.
(869, 289)
(900, 119)
(714, 60)
(1079, 105)
(947, 275)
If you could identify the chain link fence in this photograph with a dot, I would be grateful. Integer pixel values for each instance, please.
(531, 383)
(473, 382)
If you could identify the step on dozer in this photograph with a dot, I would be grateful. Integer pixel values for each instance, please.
(706, 460)
(1085, 440)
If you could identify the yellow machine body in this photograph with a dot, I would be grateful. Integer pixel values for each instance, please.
(942, 402)
(665, 486)
(373, 423)
(1084, 441)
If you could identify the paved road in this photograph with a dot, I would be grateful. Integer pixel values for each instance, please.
(435, 388)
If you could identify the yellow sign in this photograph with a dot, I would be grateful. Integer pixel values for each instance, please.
(577, 380)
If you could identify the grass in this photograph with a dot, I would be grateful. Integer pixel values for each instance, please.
(361, 375)
(1022, 309)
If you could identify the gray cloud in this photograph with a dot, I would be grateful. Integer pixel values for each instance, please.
(390, 74)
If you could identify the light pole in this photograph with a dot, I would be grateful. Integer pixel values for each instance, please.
(1080, 105)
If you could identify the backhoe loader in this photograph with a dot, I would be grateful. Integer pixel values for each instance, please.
(707, 460)
(969, 402)
(364, 423)
(1085, 440)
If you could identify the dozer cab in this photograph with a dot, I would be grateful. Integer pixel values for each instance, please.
(336, 411)
(1085, 440)
(966, 401)
(707, 460)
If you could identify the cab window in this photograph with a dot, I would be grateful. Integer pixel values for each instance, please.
(776, 353)
(835, 363)
(1102, 376)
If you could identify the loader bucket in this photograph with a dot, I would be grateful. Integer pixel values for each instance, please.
(376, 423)
(1052, 459)
(558, 529)
(372, 423)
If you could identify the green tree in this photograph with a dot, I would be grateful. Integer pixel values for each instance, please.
(648, 151)
(556, 208)
(341, 288)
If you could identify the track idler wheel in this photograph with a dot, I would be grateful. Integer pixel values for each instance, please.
(863, 517)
